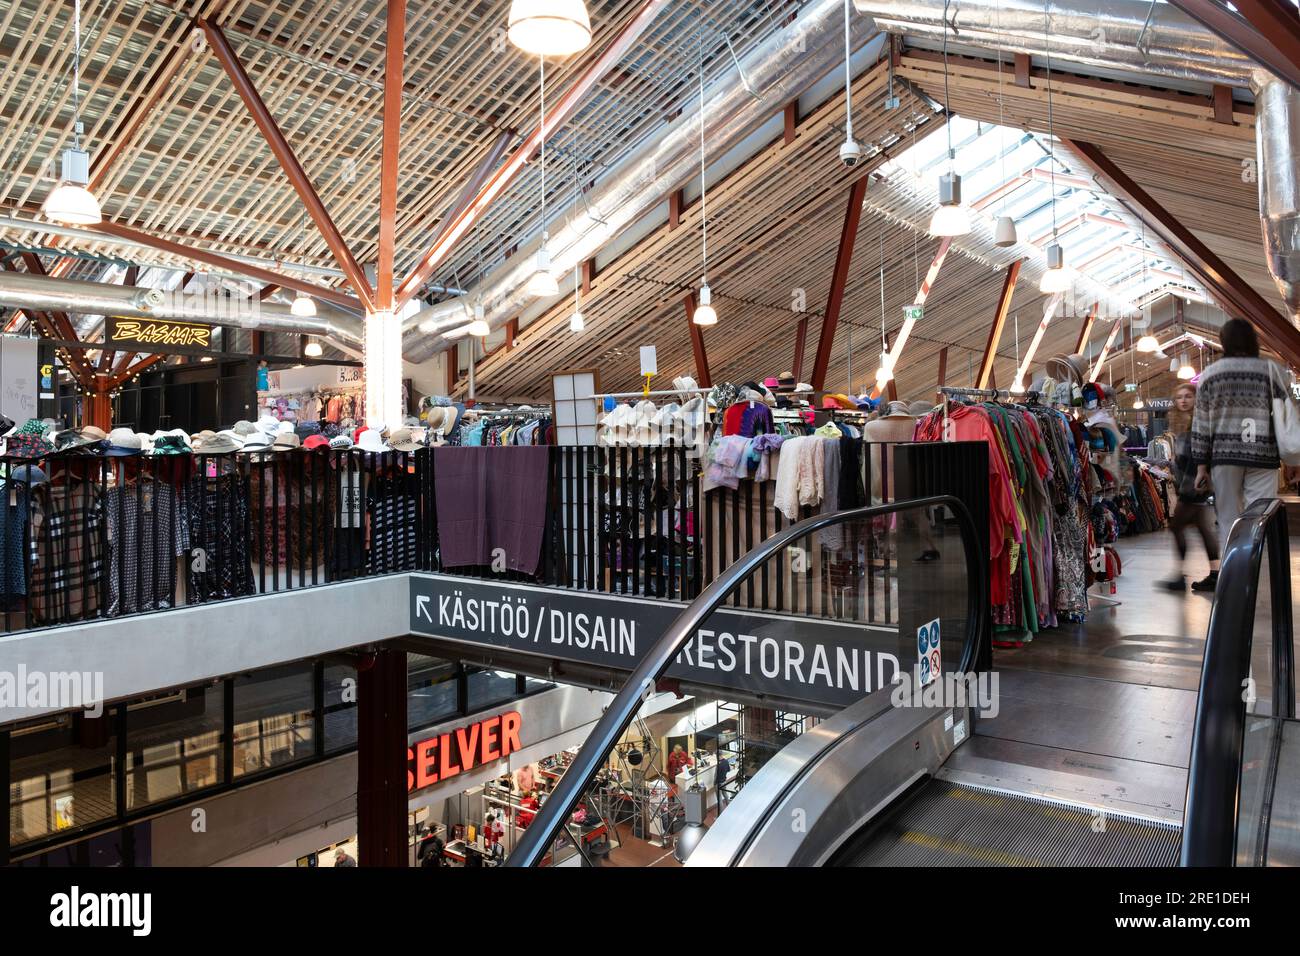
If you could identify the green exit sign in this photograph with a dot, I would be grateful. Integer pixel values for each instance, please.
(913, 313)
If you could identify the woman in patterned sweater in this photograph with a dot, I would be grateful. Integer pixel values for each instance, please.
(1233, 441)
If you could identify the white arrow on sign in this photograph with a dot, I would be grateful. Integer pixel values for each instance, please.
(422, 607)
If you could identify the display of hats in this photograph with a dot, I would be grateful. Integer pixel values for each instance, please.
(684, 383)
(284, 427)
(358, 432)
(305, 430)
(286, 441)
(723, 396)
(434, 418)
(244, 428)
(803, 388)
(372, 440)
(897, 411)
(785, 382)
(170, 445)
(87, 440)
(122, 442)
(402, 439)
(312, 442)
(26, 445)
(220, 444)
(268, 424)
(33, 426)
(146, 442)
(1067, 368)
(341, 441)
(6, 425)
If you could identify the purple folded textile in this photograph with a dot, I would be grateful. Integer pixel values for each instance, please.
(489, 499)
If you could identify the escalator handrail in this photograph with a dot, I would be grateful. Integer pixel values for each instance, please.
(1218, 736)
(618, 716)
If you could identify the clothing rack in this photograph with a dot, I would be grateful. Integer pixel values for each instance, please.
(953, 391)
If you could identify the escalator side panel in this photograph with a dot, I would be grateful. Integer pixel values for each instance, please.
(946, 824)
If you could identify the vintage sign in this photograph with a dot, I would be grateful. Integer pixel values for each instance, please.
(794, 657)
(156, 334)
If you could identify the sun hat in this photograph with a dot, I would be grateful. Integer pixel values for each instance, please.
(30, 475)
(435, 417)
(358, 432)
(1067, 368)
(257, 443)
(372, 440)
(286, 441)
(268, 424)
(284, 427)
(222, 444)
(146, 442)
(244, 428)
(81, 440)
(312, 442)
(803, 388)
(170, 445)
(122, 442)
(27, 445)
(402, 440)
(897, 410)
(33, 426)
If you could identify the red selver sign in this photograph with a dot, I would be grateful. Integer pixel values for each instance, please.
(446, 755)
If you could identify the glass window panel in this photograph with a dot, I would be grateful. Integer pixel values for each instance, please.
(431, 690)
(61, 776)
(273, 718)
(174, 745)
(340, 707)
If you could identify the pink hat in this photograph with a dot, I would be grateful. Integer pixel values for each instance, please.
(771, 382)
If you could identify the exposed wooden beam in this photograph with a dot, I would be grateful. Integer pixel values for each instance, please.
(216, 260)
(394, 58)
(791, 114)
(800, 341)
(588, 275)
(485, 166)
(1221, 98)
(284, 154)
(1022, 69)
(999, 323)
(1085, 333)
(1234, 293)
(502, 177)
(1265, 31)
(1098, 365)
(134, 370)
(839, 278)
(702, 376)
(676, 202)
(943, 366)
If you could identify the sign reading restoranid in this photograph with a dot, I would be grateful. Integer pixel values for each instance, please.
(156, 332)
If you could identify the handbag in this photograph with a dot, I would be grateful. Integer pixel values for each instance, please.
(1286, 423)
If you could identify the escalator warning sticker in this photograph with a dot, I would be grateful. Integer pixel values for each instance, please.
(929, 659)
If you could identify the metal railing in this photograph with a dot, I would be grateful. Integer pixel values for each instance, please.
(86, 537)
(1215, 773)
(618, 716)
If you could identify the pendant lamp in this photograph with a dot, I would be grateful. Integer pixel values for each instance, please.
(549, 27)
(1175, 364)
(1148, 344)
(1004, 232)
(70, 202)
(1186, 371)
(312, 349)
(1138, 404)
(951, 218)
(478, 327)
(1056, 278)
(542, 285)
(705, 314)
(303, 306)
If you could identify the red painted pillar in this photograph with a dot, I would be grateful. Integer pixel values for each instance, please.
(381, 759)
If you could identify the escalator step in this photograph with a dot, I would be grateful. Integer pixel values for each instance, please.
(950, 825)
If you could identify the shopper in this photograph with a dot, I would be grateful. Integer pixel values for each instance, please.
(1192, 508)
(1233, 440)
(678, 761)
(341, 858)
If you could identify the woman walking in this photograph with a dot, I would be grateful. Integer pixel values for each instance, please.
(1234, 443)
(1191, 509)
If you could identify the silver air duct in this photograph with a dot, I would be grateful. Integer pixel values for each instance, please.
(780, 69)
(18, 290)
(1116, 34)
(1277, 139)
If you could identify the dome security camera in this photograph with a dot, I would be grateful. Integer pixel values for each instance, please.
(850, 153)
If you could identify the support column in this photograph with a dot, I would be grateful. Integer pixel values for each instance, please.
(381, 758)
(849, 235)
(99, 406)
(702, 375)
(999, 323)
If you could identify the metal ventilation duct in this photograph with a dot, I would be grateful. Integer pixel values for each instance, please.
(1277, 138)
(1138, 35)
(778, 70)
(18, 290)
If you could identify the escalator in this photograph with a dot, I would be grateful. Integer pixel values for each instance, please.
(922, 780)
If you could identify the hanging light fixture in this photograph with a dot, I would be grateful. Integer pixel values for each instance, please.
(304, 306)
(705, 314)
(1175, 364)
(1056, 278)
(1004, 230)
(70, 202)
(542, 285)
(312, 349)
(1186, 371)
(1138, 404)
(549, 27)
(1148, 344)
(951, 218)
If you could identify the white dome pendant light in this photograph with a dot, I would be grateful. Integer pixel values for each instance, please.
(542, 285)
(705, 314)
(304, 307)
(70, 202)
(951, 218)
(549, 27)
